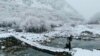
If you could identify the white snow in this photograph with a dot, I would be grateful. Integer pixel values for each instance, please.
(29, 37)
(25, 14)
(41, 46)
(36, 13)
(84, 52)
(5, 35)
(77, 30)
(2, 47)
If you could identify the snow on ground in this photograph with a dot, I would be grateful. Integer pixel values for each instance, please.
(28, 39)
(32, 39)
(29, 36)
(63, 31)
(74, 51)
(5, 35)
(92, 28)
(78, 29)
(41, 46)
(83, 52)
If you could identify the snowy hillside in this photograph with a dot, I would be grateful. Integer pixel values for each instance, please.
(37, 14)
(95, 19)
(47, 25)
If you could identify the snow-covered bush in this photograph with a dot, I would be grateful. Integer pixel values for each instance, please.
(35, 25)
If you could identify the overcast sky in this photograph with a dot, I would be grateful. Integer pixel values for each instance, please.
(86, 7)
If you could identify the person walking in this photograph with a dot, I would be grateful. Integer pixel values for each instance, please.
(69, 40)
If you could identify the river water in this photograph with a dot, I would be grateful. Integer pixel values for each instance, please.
(85, 44)
(59, 42)
(26, 52)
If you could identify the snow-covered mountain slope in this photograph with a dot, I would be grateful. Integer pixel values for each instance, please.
(95, 19)
(37, 13)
